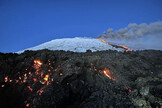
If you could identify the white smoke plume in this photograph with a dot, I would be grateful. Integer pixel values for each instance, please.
(133, 31)
(142, 36)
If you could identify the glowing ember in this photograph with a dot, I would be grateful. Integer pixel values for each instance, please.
(25, 78)
(34, 79)
(27, 105)
(61, 74)
(6, 79)
(38, 75)
(46, 77)
(41, 74)
(10, 80)
(29, 73)
(25, 75)
(37, 65)
(48, 82)
(108, 74)
(42, 82)
(56, 69)
(37, 62)
(40, 91)
(30, 88)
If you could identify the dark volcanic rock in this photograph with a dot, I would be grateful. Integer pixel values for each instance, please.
(59, 79)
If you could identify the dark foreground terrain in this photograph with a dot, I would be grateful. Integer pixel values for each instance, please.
(58, 79)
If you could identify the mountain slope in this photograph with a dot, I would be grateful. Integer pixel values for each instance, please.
(75, 45)
(60, 79)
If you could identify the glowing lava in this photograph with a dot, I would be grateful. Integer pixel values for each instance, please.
(40, 92)
(108, 74)
(38, 62)
(6, 79)
(125, 47)
(46, 77)
(27, 105)
(30, 88)
(37, 65)
(104, 41)
(34, 79)
(121, 46)
(30, 79)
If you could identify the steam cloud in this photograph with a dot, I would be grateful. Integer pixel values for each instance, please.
(133, 31)
(142, 36)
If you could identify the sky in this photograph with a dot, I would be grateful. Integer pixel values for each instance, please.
(27, 23)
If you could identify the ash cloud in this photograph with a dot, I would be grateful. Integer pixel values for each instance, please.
(142, 36)
(134, 31)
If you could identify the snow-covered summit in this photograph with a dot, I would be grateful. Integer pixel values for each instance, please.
(74, 44)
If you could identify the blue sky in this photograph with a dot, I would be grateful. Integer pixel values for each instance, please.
(27, 23)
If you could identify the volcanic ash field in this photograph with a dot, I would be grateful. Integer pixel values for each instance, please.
(59, 79)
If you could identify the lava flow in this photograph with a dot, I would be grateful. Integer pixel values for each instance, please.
(104, 41)
(31, 78)
(44, 77)
(37, 62)
(125, 47)
(108, 74)
(117, 46)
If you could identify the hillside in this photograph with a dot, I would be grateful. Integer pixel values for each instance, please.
(74, 44)
(102, 79)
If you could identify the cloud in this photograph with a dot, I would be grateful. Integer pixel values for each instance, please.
(138, 37)
(135, 31)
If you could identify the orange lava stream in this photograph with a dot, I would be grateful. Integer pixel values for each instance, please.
(104, 41)
(45, 79)
(122, 46)
(125, 47)
(108, 74)
(27, 105)
(37, 62)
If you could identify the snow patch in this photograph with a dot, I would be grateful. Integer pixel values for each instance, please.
(75, 45)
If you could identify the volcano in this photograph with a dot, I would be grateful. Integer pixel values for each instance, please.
(83, 76)
(77, 44)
